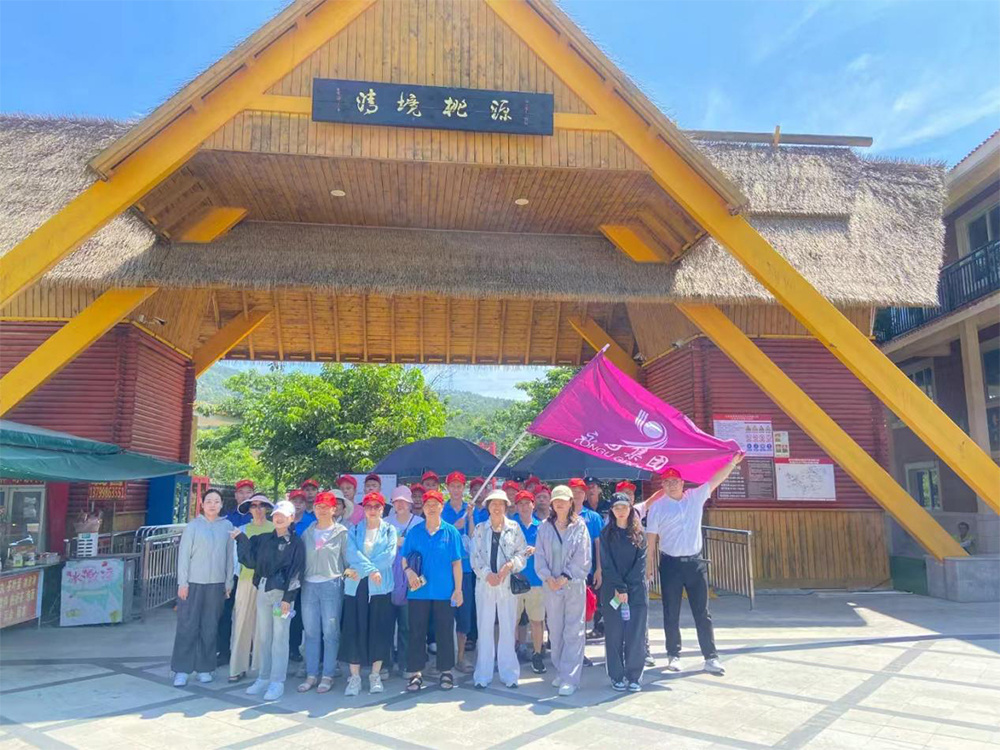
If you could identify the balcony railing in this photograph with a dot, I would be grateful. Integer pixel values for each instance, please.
(962, 282)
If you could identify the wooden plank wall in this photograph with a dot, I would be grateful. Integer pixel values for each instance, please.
(429, 42)
(813, 548)
(659, 326)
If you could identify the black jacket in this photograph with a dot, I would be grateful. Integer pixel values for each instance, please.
(281, 561)
(623, 564)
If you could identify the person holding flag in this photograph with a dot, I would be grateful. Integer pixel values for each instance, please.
(674, 523)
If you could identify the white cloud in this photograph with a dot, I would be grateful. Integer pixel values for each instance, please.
(861, 63)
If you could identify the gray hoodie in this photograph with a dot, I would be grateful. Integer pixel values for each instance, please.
(206, 553)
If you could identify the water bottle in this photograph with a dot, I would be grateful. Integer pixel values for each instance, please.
(626, 614)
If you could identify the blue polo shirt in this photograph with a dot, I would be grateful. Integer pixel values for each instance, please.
(451, 516)
(307, 520)
(438, 552)
(594, 524)
(530, 536)
(480, 514)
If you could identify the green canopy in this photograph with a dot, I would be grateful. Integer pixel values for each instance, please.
(28, 452)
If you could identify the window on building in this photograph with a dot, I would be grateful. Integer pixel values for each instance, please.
(923, 485)
(923, 376)
(22, 519)
(991, 375)
(983, 228)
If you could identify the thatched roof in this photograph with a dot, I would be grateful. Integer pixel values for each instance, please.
(863, 231)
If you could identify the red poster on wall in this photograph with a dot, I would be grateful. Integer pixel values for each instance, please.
(19, 600)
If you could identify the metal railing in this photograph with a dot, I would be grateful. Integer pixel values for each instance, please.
(729, 554)
(961, 282)
(157, 580)
(730, 560)
(117, 543)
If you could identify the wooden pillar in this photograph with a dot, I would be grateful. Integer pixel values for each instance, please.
(975, 389)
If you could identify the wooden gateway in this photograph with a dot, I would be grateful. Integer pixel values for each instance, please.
(475, 182)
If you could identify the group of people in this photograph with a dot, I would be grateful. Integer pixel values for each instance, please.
(376, 585)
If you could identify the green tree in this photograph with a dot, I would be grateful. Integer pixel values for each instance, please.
(227, 459)
(505, 425)
(296, 425)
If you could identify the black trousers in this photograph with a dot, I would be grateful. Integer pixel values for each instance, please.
(444, 633)
(197, 628)
(295, 629)
(367, 627)
(625, 642)
(224, 635)
(678, 574)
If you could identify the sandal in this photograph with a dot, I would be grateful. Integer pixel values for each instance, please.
(308, 685)
(447, 682)
(325, 685)
(416, 682)
(237, 677)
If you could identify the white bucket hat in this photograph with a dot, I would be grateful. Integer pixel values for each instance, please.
(561, 492)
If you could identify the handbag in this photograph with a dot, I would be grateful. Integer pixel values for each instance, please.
(519, 584)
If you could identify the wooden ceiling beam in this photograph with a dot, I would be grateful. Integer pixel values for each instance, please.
(226, 338)
(212, 224)
(598, 338)
(637, 242)
(246, 315)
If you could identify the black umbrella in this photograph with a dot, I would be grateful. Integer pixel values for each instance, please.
(558, 461)
(440, 455)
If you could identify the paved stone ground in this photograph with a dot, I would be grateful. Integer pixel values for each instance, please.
(821, 670)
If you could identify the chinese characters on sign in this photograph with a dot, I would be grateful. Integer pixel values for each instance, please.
(753, 479)
(441, 107)
(19, 598)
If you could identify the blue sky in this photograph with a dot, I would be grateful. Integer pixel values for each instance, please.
(921, 77)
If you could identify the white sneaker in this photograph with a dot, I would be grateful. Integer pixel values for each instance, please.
(375, 683)
(274, 691)
(634, 687)
(673, 664)
(557, 683)
(180, 679)
(714, 666)
(567, 690)
(258, 687)
(353, 685)
(205, 677)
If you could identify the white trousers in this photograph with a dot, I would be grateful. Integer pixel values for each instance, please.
(495, 603)
(565, 611)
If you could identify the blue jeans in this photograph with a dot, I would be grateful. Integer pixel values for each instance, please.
(322, 604)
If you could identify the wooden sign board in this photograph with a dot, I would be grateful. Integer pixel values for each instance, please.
(438, 107)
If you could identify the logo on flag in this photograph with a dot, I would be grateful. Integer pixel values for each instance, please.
(604, 412)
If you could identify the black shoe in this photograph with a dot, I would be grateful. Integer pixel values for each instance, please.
(222, 659)
(587, 662)
(537, 665)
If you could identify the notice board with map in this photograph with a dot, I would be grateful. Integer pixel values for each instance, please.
(805, 479)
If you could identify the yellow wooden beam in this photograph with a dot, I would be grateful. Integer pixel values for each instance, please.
(170, 148)
(302, 105)
(226, 338)
(594, 335)
(818, 425)
(695, 194)
(59, 349)
(636, 242)
(214, 224)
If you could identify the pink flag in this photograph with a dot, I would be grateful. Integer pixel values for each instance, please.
(604, 412)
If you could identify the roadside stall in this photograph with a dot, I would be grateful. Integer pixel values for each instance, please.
(97, 573)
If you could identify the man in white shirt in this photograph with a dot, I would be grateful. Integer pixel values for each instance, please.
(674, 523)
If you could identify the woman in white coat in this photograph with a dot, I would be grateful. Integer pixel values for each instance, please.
(498, 552)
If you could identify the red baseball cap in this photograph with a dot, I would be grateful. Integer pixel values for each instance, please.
(430, 475)
(576, 482)
(510, 484)
(296, 493)
(375, 478)
(455, 476)
(326, 498)
(476, 482)
(433, 495)
(543, 488)
(417, 487)
(670, 473)
(625, 485)
(245, 483)
(347, 478)
(532, 480)
(310, 483)
(374, 498)
(524, 495)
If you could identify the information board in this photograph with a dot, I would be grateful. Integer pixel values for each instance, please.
(752, 431)
(805, 479)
